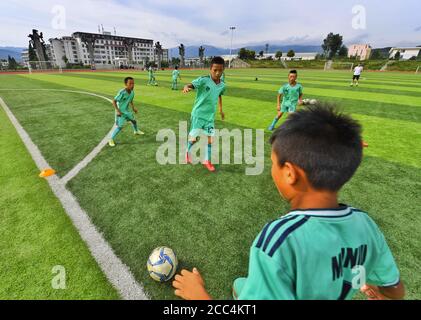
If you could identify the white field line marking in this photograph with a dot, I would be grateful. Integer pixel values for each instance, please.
(114, 269)
(84, 163)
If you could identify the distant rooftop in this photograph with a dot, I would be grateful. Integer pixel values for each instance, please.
(108, 35)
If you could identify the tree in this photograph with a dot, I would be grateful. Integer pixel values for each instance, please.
(182, 53)
(242, 53)
(343, 52)
(376, 55)
(175, 61)
(245, 54)
(261, 54)
(32, 54)
(332, 44)
(202, 55)
(397, 56)
(13, 65)
(291, 54)
(278, 55)
(65, 60)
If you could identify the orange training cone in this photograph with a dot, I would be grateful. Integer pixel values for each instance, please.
(47, 173)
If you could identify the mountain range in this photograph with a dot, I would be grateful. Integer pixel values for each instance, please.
(14, 52)
(193, 51)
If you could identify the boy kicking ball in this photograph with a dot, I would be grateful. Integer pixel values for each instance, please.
(121, 104)
(209, 92)
(291, 95)
(312, 252)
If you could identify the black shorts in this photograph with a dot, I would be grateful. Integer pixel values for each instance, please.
(356, 78)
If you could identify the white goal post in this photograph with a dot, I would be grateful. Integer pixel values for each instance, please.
(331, 65)
(43, 66)
(418, 70)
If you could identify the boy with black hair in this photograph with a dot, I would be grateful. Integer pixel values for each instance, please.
(291, 95)
(175, 77)
(121, 104)
(358, 70)
(209, 93)
(321, 250)
(152, 79)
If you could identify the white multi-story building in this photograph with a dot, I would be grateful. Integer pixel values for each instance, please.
(405, 53)
(4, 64)
(102, 50)
(166, 55)
(360, 51)
(25, 57)
(297, 56)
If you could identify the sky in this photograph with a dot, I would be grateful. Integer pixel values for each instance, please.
(377, 22)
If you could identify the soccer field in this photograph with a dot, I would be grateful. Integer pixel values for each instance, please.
(210, 220)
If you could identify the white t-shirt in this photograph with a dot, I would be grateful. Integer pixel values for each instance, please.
(358, 71)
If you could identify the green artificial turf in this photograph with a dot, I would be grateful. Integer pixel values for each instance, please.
(36, 235)
(211, 220)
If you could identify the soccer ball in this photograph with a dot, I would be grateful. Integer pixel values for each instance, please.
(313, 102)
(162, 264)
(306, 102)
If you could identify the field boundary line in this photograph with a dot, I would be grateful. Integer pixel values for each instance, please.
(114, 269)
(92, 155)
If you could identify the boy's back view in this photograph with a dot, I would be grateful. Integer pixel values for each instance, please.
(321, 250)
(317, 255)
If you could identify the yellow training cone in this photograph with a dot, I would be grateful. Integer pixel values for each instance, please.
(47, 173)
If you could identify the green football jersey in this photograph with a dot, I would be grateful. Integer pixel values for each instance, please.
(207, 96)
(317, 255)
(124, 99)
(291, 95)
(175, 74)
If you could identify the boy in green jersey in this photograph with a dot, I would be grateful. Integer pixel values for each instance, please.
(209, 93)
(175, 77)
(152, 79)
(291, 95)
(320, 250)
(121, 104)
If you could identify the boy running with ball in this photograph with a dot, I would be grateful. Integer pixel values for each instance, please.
(209, 93)
(291, 95)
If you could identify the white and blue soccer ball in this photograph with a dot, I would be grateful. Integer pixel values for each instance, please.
(162, 264)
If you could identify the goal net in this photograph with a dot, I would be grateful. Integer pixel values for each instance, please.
(333, 65)
(43, 66)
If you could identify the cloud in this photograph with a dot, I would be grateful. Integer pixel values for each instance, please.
(360, 38)
(172, 22)
(417, 29)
